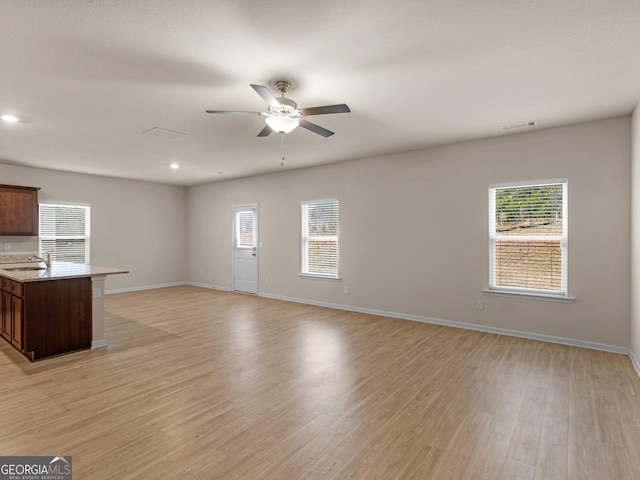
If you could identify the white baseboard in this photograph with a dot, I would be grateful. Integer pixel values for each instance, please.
(468, 326)
(634, 361)
(98, 343)
(144, 287)
(416, 318)
(211, 287)
(165, 285)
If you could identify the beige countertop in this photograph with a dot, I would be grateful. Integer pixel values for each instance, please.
(57, 271)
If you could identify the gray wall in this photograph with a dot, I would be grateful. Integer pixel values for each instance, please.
(138, 226)
(413, 230)
(413, 237)
(635, 238)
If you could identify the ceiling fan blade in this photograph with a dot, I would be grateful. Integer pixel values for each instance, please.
(234, 112)
(265, 132)
(315, 128)
(342, 108)
(266, 95)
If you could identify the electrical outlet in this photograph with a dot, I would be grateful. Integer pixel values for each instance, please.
(479, 304)
(7, 246)
(346, 289)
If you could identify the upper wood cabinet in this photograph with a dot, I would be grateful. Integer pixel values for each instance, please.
(18, 210)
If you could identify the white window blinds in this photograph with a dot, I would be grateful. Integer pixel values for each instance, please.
(320, 238)
(528, 237)
(64, 232)
(245, 231)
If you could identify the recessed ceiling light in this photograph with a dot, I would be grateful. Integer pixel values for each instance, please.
(9, 118)
(174, 165)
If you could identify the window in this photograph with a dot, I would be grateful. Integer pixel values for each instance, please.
(64, 232)
(245, 233)
(320, 238)
(528, 238)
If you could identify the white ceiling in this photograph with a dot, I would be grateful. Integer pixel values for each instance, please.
(88, 77)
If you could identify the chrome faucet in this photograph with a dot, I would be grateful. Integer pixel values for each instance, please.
(46, 260)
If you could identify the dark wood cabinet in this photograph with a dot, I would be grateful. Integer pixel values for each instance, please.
(46, 318)
(1, 310)
(12, 312)
(16, 321)
(18, 210)
(6, 315)
(17, 304)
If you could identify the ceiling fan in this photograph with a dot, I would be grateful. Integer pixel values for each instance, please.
(283, 114)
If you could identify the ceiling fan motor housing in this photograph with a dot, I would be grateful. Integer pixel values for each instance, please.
(283, 114)
(289, 105)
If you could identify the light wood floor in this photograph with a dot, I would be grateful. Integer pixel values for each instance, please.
(201, 384)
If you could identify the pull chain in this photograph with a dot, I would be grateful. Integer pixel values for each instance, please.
(282, 147)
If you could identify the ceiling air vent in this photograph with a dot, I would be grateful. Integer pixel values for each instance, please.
(518, 126)
(164, 133)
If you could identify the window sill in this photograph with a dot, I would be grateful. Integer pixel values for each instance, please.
(545, 297)
(319, 276)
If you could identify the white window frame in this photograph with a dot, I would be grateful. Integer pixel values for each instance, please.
(523, 292)
(304, 269)
(86, 237)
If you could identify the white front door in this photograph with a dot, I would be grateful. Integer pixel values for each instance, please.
(245, 251)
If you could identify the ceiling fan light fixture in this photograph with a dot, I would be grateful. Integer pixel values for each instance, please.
(282, 123)
(283, 114)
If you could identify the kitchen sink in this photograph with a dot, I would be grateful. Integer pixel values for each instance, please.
(24, 269)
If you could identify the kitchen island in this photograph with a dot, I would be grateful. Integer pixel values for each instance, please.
(48, 311)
